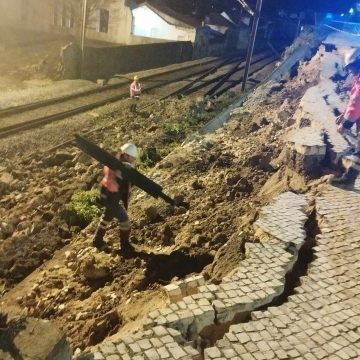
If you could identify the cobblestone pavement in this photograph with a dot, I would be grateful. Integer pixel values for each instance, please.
(322, 319)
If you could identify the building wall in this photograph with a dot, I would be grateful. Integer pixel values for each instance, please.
(104, 62)
(35, 15)
(148, 24)
(54, 17)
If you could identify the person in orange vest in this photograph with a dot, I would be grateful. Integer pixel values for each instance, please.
(135, 93)
(114, 195)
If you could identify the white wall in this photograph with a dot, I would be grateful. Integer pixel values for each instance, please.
(147, 23)
(38, 16)
(120, 25)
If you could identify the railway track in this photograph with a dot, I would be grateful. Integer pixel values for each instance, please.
(35, 105)
(20, 118)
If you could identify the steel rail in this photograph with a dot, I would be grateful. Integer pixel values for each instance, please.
(233, 83)
(233, 71)
(71, 141)
(200, 78)
(12, 129)
(37, 104)
(219, 78)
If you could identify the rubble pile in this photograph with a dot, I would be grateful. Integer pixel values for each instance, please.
(220, 181)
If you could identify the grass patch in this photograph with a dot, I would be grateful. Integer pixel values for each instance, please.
(83, 205)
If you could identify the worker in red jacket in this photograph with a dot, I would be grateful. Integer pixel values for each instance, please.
(351, 116)
(135, 93)
(114, 195)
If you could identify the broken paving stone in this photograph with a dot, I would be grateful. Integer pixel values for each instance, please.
(53, 344)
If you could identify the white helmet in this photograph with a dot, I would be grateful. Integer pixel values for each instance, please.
(351, 56)
(130, 149)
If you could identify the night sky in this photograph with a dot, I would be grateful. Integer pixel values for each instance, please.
(337, 6)
(292, 5)
(318, 5)
(202, 7)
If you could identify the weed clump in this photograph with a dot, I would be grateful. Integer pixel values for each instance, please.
(83, 207)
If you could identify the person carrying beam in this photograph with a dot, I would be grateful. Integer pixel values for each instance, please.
(114, 195)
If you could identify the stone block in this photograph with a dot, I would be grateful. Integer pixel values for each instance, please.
(40, 339)
(212, 353)
(173, 292)
(101, 82)
(191, 286)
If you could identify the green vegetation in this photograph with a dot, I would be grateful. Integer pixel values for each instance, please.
(83, 205)
(177, 129)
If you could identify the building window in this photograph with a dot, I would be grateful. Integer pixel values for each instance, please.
(103, 20)
(70, 17)
(58, 15)
(63, 16)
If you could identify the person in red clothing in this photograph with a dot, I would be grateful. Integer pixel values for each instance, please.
(135, 92)
(114, 195)
(351, 115)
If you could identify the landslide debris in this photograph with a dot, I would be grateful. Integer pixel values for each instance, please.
(218, 181)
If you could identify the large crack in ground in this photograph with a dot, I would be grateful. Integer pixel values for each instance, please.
(162, 268)
(304, 258)
(211, 334)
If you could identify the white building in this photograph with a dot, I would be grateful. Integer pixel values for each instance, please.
(161, 23)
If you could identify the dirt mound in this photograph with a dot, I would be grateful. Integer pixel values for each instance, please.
(219, 184)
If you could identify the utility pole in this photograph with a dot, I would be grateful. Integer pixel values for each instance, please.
(83, 33)
(252, 42)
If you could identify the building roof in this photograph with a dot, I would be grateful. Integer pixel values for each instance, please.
(184, 20)
(171, 16)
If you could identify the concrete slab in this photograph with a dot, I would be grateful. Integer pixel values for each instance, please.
(343, 39)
